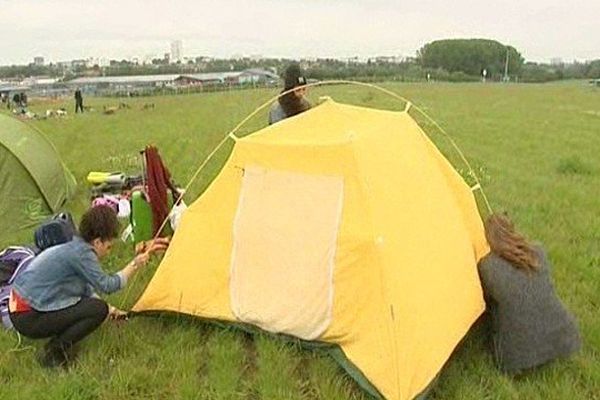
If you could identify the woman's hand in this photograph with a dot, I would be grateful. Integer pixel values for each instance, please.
(140, 260)
(152, 246)
(115, 314)
(158, 244)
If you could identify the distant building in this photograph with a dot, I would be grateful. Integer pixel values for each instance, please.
(78, 63)
(7, 89)
(45, 86)
(147, 58)
(64, 64)
(352, 60)
(34, 81)
(204, 59)
(248, 76)
(100, 62)
(176, 51)
(557, 61)
(389, 59)
(38, 61)
(130, 83)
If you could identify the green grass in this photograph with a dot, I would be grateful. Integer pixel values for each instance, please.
(535, 148)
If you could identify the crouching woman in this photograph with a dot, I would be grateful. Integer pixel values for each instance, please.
(55, 297)
(530, 326)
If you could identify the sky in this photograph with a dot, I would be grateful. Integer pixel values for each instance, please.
(114, 29)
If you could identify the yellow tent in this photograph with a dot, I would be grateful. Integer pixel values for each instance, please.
(342, 225)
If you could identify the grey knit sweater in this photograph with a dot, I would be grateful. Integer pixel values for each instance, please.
(530, 326)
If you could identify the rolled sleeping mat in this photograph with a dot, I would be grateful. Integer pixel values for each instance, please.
(97, 178)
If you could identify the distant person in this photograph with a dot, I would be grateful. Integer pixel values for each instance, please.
(78, 101)
(23, 100)
(55, 297)
(294, 102)
(529, 324)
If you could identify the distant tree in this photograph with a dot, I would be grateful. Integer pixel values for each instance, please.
(534, 72)
(594, 70)
(576, 70)
(470, 56)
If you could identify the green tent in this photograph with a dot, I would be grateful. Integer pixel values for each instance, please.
(34, 182)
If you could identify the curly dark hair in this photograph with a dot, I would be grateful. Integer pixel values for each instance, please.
(99, 223)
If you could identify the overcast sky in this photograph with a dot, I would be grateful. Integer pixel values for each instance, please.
(68, 29)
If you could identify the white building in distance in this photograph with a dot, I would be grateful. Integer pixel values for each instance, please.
(176, 51)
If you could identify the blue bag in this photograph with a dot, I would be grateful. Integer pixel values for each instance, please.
(60, 229)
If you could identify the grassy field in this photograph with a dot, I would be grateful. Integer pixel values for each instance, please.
(535, 148)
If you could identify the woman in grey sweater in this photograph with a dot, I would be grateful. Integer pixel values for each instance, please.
(529, 324)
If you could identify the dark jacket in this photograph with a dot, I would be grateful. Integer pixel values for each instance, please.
(530, 326)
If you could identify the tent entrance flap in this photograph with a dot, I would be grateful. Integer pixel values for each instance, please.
(284, 241)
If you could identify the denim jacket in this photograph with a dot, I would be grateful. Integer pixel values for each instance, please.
(61, 275)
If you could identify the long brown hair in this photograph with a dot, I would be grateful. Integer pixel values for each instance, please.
(507, 243)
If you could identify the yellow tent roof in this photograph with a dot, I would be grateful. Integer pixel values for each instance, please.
(343, 225)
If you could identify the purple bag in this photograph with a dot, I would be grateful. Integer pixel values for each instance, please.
(13, 261)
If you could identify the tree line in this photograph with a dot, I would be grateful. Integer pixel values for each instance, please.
(441, 60)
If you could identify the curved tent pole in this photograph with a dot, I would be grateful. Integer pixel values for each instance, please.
(232, 135)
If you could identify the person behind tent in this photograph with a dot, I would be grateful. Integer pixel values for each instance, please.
(78, 100)
(294, 102)
(529, 324)
(55, 297)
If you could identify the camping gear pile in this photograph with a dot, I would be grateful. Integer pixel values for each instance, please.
(343, 225)
(146, 199)
(112, 182)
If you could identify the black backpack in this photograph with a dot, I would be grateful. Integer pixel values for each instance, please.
(60, 229)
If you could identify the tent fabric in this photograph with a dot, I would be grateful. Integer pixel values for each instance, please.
(305, 212)
(404, 283)
(33, 180)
